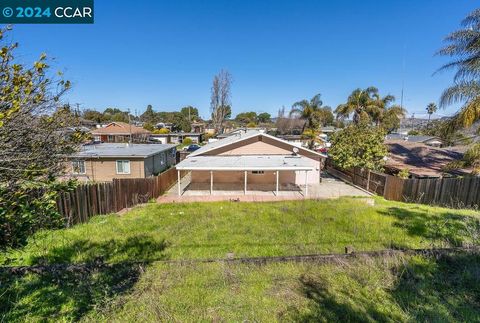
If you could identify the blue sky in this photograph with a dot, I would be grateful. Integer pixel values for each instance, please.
(165, 53)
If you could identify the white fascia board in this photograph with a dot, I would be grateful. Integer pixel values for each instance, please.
(244, 168)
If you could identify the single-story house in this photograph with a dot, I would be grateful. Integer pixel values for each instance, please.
(235, 132)
(177, 137)
(427, 140)
(120, 132)
(420, 160)
(106, 161)
(253, 157)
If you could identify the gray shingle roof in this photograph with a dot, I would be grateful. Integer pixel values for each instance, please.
(121, 150)
(249, 162)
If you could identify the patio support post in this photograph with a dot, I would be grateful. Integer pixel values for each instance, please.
(306, 183)
(245, 187)
(211, 182)
(179, 184)
(276, 186)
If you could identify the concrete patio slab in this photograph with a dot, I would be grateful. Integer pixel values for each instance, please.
(330, 187)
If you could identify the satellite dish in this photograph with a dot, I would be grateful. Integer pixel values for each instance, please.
(295, 150)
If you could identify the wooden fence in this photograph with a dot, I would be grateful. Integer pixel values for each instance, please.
(451, 192)
(87, 200)
(374, 182)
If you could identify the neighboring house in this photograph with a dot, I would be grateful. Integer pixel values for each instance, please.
(119, 132)
(198, 127)
(253, 157)
(177, 137)
(427, 140)
(422, 161)
(236, 131)
(164, 125)
(296, 140)
(104, 162)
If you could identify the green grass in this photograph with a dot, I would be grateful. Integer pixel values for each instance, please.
(367, 289)
(211, 230)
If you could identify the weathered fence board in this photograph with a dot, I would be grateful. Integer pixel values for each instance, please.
(451, 192)
(87, 200)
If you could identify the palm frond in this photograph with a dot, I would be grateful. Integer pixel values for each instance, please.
(460, 92)
(469, 114)
(472, 19)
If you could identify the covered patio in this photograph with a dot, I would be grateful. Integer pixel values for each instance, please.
(245, 174)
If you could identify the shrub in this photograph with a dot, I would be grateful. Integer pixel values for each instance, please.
(27, 209)
(187, 141)
(358, 146)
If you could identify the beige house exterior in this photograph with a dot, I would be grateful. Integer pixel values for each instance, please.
(120, 132)
(104, 162)
(253, 157)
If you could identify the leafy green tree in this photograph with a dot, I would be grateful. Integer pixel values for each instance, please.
(264, 117)
(115, 114)
(326, 116)
(33, 145)
(358, 146)
(246, 117)
(464, 47)
(148, 126)
(93, 115)
(149, 116)
(190, 113)
(181, 122)
(161, 131)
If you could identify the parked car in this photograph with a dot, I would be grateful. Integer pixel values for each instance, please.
(191, 148)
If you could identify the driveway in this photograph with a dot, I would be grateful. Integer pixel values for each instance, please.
(330, 187)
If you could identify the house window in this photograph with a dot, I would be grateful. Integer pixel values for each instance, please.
(78, 167)
(162, 158)
(110, 138)
(258, 172)
(123, 167)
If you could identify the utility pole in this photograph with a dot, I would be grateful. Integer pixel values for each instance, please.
(129, 125)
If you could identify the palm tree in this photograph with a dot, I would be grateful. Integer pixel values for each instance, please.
(310, 110)
(431, 109)
(358, 103)
(384, 113)
(464, 47)
(369, 106)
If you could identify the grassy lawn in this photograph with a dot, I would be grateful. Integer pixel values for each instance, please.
(387, 289)
(211, 230)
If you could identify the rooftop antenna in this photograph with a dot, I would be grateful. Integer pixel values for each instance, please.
(403, 75)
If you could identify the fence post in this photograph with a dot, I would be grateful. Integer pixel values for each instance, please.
(368, 180)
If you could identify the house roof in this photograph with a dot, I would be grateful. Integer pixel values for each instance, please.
(420, 159)
(119, 128)
(244, 135)
(121, 150)
(249, 162)
(177, 134)
(398, 136)
(237, 130)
